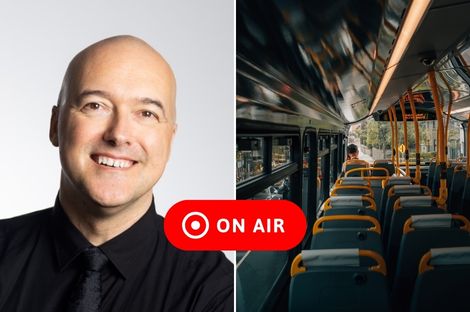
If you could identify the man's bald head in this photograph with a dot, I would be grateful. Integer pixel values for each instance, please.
(129, 50)
(114, 125)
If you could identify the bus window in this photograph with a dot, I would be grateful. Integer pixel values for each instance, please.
(250, 160)
(374, 138)
(282, 152)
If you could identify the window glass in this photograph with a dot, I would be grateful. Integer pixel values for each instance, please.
(280, 190)
(374, 140)
(282, 152)
(258, 270)
(250, 160)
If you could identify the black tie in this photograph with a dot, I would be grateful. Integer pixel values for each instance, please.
(86, 297)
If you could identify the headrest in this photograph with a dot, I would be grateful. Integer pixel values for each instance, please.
(415, 201)
(407, 189)
(443, 220)
(450, 255)
(399, 180)
(351, 201)
(354, 181)
(331, 257)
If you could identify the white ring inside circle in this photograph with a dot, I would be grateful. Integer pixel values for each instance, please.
(195, 213)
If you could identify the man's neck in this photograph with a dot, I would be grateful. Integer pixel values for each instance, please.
(101, 224)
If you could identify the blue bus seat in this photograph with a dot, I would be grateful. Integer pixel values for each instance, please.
(405, 207)
(353, 164)
(352, 181)
(443, 281)
(466, 198)
(350, 205)
(387, 184)
(454, 199)
(393, 194)
(338, 280)
(354, 236)
(384, 163)
(421, 233)
(342, 190)
(430, 174)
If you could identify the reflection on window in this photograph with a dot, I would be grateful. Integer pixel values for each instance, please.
(280, 190)
(282, 152)
(249, 158)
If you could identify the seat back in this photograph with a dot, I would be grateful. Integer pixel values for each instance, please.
(454, 200)
(384, 163)
(344, 190)
(387, 184)
(338, 280)
(405, 207)
(353, 164)
(421, 233)
(394, 193)
(350, 205)
(442, 282)
(356, 235)
(431, 173)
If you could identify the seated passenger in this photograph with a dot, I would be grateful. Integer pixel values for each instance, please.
(353, 161)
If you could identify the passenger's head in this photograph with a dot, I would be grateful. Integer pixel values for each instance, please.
(114, 122)
(352, 150)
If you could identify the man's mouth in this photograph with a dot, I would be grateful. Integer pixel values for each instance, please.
(112, 162)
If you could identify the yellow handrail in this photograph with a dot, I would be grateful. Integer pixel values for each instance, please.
(468, 146)
(442, 157)
(405, 139)
(375, 228)
(390, 117)
(297, 267)
(397, 159)
(417, 178)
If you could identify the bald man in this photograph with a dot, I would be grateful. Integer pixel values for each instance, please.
(102, 246)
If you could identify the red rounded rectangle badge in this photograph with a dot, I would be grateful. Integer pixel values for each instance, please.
(235, 225)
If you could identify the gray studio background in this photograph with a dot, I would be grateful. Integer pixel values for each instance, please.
(39, 38)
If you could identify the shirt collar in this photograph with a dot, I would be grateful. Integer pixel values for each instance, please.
(127, 251)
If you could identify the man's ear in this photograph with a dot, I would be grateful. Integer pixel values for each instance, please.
(53, 131)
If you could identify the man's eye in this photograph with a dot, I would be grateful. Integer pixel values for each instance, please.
(148, 114)
(92, 106)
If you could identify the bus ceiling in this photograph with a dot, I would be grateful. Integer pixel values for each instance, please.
(441, 43)
(328, 58)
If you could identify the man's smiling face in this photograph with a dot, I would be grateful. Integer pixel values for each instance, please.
(116, 122)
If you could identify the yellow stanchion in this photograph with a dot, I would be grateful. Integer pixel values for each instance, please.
(390, 117)
(405, 139)
(397, 165)
(442, 199)
(417, 177)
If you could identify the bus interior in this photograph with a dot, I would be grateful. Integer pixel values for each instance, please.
(389, 231)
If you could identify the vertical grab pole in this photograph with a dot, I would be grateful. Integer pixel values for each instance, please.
(390, 117)
(417, 178)
(407, 154)
(441, 200)
(468, 147)
(394, 114)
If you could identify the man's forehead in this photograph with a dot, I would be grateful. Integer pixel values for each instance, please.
(131, 55)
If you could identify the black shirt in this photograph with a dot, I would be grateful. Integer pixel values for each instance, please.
(39, 266)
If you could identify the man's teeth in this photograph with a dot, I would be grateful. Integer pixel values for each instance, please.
(117, 163)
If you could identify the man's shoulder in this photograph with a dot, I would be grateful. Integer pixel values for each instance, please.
(27, 222)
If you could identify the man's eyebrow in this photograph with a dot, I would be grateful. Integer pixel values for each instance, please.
(94, 92)
(146, 100)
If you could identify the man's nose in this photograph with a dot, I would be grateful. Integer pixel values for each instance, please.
(119, 130)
